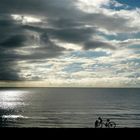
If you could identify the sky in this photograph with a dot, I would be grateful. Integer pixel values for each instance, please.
(91, 43)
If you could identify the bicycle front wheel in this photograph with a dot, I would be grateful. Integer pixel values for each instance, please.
(112, 125)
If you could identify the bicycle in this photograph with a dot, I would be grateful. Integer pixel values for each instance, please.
(107, 124)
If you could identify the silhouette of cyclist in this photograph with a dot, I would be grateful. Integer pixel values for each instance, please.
(98, 122)
(107, 123)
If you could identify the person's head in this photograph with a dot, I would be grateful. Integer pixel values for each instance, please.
(108, 120)
(99, 118)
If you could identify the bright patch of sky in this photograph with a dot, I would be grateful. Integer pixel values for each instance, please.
(131, 3)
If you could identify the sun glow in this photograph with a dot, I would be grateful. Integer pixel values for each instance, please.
(10, 98)
(25, 19)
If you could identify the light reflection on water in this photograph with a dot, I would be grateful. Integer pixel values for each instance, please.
(11, 106)
(14, 117)
(11, 99)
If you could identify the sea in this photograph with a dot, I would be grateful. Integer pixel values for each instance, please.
(68, 107)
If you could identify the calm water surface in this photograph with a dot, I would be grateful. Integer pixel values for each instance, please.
(68, 107)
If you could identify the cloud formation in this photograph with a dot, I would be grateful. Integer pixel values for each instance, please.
(69, 40)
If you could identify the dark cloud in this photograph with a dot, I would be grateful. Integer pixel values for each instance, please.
(98, 44)
(39, 7)
(46, 48)
(5, 23)
(81, 35)
(73, 35)
(63, 23)
(8, 27)
(76, 35)
(15, 6)
(8, 70)
(14, 41)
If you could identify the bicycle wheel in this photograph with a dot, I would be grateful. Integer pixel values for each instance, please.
(100, 125)
(112, 125)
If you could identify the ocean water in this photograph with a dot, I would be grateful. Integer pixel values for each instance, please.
(68, 107)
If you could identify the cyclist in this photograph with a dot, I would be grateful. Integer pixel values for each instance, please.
(96, 124)
(107, 123)
(100, 120)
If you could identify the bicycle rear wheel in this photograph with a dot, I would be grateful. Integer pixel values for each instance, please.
(112, 125)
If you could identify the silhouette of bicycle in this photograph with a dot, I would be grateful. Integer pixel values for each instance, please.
(107, 124)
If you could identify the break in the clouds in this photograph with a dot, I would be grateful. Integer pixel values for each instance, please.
(70, 42)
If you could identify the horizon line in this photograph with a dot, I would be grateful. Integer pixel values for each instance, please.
(44, 84)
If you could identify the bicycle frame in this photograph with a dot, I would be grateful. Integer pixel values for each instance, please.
(106, 124)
